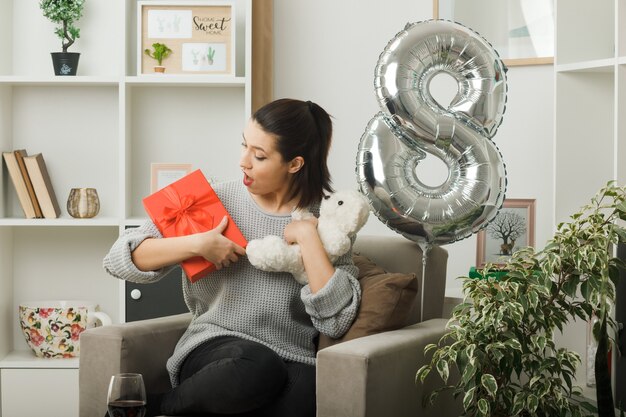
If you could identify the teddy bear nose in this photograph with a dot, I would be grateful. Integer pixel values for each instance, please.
(340, 202)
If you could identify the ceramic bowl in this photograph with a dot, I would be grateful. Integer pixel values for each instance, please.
(52, 328)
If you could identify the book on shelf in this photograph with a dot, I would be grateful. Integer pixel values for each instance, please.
(19, 156)
(15, 173)
(40, 179)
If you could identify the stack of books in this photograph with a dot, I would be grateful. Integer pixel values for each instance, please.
(32, 183)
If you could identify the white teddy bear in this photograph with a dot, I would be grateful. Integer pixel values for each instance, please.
(342, 215)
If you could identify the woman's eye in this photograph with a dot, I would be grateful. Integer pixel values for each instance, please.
(260, 158)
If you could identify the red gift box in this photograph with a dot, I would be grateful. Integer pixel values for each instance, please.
(188, 206)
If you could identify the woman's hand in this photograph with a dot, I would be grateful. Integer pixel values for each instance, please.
(216, 248)
(316, 263)
(299, 230)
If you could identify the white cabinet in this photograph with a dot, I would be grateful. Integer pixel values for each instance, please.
(30, 388)
(100, 129)
(590, 103)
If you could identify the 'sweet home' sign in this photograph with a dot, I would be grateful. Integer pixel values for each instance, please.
(200, 35)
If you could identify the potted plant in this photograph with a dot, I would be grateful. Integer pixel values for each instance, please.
(64, 13)
(210, 55)
(500, 339)
(159, 52)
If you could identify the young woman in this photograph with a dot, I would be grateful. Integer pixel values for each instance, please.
(250, 347)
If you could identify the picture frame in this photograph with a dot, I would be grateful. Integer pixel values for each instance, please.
(521, 31)
(200, 34)
(163, 174)
(511, 229)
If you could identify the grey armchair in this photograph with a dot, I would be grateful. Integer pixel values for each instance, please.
(372, 376)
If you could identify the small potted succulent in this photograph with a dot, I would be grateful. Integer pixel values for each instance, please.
(159, 52)
(210, 55)
(64, 13)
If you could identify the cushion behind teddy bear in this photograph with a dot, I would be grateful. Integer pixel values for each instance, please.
(387, 300)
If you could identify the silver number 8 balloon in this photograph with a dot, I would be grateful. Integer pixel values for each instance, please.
(413, 124)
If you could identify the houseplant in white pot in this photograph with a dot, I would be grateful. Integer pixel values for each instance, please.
(64, 13)
(500, 340)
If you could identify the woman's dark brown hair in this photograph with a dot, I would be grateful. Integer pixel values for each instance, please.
(302, 128)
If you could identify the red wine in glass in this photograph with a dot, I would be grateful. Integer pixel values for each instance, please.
(127, 396)
(127, 408)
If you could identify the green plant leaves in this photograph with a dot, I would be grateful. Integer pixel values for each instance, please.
(422, 373)
(501, 338)
(64, 13)
(489, 383)
(483, 407)
(468, 398)
(443, 369)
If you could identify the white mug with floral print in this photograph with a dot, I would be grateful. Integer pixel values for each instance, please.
(52, 328)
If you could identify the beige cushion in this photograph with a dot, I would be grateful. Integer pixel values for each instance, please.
(387, 299)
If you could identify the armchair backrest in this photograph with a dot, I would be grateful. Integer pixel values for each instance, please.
(398, 254)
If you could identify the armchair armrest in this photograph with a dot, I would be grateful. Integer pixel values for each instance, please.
(141, 347)
(375, 375)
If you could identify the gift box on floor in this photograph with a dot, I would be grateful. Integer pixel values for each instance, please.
(188, 206)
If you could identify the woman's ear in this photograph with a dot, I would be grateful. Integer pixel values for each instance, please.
(296, 164)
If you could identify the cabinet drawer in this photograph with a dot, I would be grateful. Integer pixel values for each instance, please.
(162, 298)
(39, 392)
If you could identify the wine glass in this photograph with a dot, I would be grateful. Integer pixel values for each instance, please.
(127, 396)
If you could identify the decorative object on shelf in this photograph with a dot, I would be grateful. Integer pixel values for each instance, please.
(19, 182)
(190, 205)
(163, 174)
(38, 173)
(521, 30)
(501, 339)
(19, 156)
(160, 51)
(83, 203)
(201, 35)
(512, 228)
(64, 13)
(52, 328)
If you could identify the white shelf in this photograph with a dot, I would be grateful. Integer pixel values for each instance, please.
(56, 81)
(101, 129)
(135, 221)
(27, 359)
(186, 80)
(590, 97)
(597, 65)
(61, 221)
(143, 80)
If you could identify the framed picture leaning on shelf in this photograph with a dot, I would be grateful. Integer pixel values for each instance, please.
(522, 31)
(162, 175)
(199, 34)
(512, 228)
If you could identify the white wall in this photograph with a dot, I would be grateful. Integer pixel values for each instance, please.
(326, 51)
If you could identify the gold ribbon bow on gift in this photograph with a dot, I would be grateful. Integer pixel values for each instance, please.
(187, 213)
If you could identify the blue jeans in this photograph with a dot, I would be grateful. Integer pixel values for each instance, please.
(237, 377)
